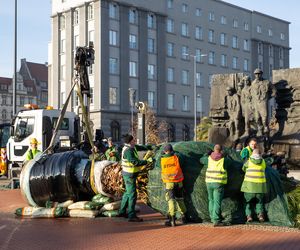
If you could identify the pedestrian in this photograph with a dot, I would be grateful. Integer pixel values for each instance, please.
(31, 153)
(97, 155)
(255, 185)
(112, 153)
(131, 166)
(172, 177)
(216, 179)
(247, 151)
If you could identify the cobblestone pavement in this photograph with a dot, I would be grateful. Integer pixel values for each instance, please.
(117, 233)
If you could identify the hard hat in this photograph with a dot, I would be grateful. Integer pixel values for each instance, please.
(258, 71)
(33, 141)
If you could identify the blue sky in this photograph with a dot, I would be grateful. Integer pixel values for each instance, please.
(34, 30)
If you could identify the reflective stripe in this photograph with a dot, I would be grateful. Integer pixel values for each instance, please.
(128, 166)
(215, 171)
(255, 172)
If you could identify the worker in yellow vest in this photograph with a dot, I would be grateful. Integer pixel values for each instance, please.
(131, 167)
(172, 177)
(254, 185)
(31, 153)
(216, 179)
(247, 151)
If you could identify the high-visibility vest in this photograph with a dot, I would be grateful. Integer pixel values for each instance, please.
(255, 172)
(170, 169)
(128, 166)
(215, 171)
(249, 150)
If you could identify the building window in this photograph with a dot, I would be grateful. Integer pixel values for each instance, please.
(170, 76)
(150, 21)
(198, 55)
(185, 103)
(151, 71)
(184, 52)
(198, 12)
(113, 65)
(91, 36)
(271, 51)
(246, 45)
(223, 20)
(282, 36)
(90, 11)
(4, 114)
(270, 69)
(260, 48)
(112, 10)
(113, 38)
(270, 32)
(112, 95)
(224, 60)
(199, 104)
(246, 65)
(171, 132)
(211, 16)
(211, 36)
(198, 33)
(235, 23)
(151, 45)
(234, 62)
(258, 29)
(170, 49)
(210, 79)
(62, 46)
(4, 100)
(223, 39)
(211, 57)
(184, 8)
(132, 41)
(198, 79)
(235, 42)
(171, 98)
(92, 96)
(280, 53)
(22, 100)
(184, 29)
(185, 133)
(170, 25)
(151, 99)
(170, 4)
(132, 69)
(115, 130)
(132, 16)
(62, 22)
(76, 17)
(246, 26)
(185, 77)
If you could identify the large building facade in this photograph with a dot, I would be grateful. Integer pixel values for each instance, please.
(161, 49)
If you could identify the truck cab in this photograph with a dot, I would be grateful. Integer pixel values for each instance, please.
(39, 124)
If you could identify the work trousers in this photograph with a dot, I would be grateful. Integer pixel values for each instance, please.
(215, 197)
(129, 197)
(174, 197)
(257, 199)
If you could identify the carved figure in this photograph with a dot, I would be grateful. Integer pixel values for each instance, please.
(234, 111)
(261, 91)
(246, 103)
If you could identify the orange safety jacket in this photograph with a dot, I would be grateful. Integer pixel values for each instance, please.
(170, 169)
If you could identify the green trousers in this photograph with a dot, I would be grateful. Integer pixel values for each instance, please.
(174, 197)
(215, 196)
(257, 199)
(129, 197)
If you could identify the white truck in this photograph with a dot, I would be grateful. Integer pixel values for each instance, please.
(39, 124)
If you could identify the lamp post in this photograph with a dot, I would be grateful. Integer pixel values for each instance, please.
(195, 90)
(131, 99)
(15, 61)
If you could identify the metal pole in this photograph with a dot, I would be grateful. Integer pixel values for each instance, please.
(195, 99)
(15, 64)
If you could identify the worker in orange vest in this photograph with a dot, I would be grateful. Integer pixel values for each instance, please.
(172, 177)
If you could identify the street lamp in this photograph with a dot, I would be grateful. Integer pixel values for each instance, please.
(132, 100)
(195, 91)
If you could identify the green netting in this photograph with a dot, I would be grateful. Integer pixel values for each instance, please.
(196, 194)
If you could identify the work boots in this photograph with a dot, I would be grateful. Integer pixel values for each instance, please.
(261, 218)
(170, 222)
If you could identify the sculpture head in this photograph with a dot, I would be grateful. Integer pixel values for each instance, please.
(247, 80)
(230, 91)
(258, 74)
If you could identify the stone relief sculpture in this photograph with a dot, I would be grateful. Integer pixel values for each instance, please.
(246, 103)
